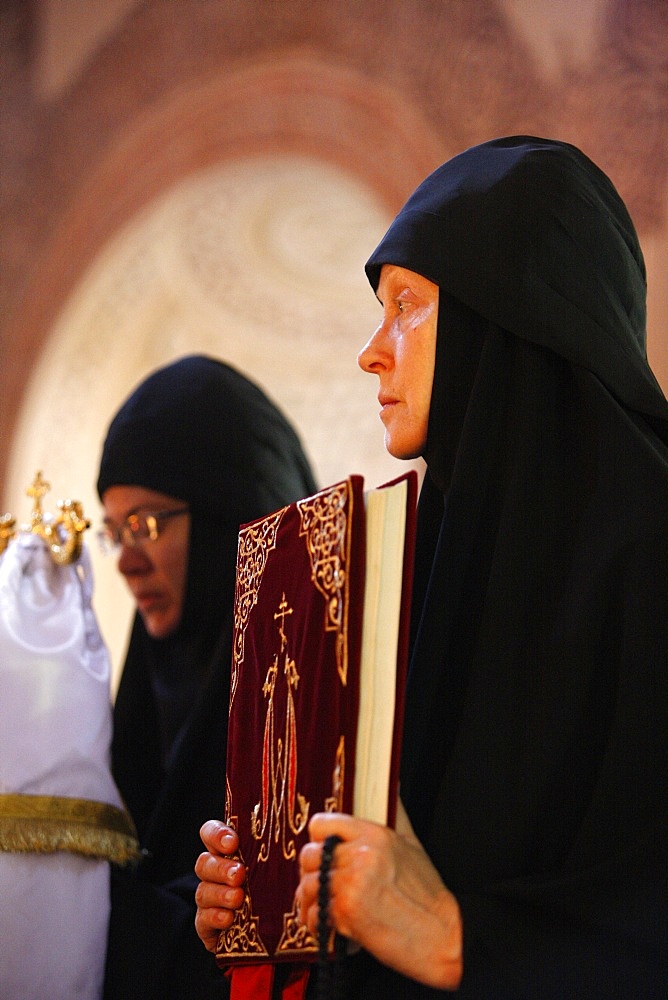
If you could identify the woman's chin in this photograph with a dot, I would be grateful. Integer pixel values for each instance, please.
(402, 449)
(159, 625)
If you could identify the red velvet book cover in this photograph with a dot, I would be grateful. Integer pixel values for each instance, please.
(293, 703)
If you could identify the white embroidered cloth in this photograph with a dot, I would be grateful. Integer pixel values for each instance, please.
(55, 734)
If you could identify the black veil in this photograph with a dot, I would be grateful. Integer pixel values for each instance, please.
(534, 766)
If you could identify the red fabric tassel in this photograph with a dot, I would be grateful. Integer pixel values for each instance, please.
(251, 982)
(295, 988)
(256, 982)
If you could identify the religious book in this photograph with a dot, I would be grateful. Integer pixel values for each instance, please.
(321, 622)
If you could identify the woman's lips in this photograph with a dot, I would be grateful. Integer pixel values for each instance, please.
(386, 400)
(387, 404)
(148, 601)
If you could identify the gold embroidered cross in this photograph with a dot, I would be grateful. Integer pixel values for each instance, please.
(283, 610)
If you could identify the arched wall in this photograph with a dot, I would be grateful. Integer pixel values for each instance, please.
(245, 241)
(386, 88)
(284, 106)
(373, 95)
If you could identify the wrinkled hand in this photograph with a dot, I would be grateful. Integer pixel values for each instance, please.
(220, 891)
(386, 895)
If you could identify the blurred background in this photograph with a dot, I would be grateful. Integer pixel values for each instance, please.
(210, 175)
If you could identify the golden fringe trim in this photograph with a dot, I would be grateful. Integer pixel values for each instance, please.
(42, 824)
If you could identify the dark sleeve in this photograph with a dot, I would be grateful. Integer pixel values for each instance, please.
(598, 927)
(592, 921)
(149, 926)
(598, 936)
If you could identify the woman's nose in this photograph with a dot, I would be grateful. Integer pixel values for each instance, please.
(373, 356)
(132, 559)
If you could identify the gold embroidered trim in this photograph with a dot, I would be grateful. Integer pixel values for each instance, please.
(255, 544)
(326, 521)
(42, 824)
(243, 937)
(296, 937)
(335, 801)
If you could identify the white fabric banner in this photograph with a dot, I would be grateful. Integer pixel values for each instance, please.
(55, 734)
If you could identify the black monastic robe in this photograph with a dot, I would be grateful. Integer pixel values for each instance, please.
(201, 432)
(535, 759)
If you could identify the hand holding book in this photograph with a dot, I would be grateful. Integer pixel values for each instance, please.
(321, 618)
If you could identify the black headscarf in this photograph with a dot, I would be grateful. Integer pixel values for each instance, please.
(534, 765)
(198, 431)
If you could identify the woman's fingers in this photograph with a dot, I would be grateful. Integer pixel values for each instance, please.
(221, 888)
(218, 837)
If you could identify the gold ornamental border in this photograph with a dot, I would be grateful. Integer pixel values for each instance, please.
(43, 824)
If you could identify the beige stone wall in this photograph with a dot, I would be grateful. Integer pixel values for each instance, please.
(210, 175)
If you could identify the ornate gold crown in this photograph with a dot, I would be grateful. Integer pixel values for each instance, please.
(63, 532)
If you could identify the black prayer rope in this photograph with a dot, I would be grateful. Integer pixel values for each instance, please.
(330, 971)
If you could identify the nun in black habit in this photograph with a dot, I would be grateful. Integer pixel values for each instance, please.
(207, 438)
(535, 754)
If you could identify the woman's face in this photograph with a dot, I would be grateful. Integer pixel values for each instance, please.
(155, 571)
(402, 354)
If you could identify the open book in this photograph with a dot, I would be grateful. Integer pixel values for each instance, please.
(316, 701)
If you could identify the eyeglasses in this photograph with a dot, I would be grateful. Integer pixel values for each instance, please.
(135, 529)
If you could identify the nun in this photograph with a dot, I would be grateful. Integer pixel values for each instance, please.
(196, 450)
(530, 854)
